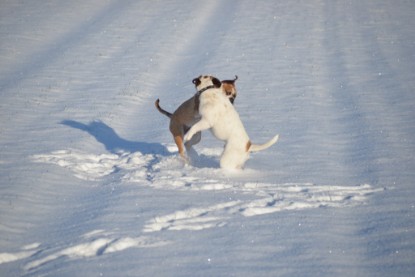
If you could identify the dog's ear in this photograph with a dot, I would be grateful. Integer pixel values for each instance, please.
(196, 81)
(216, 82)
(232, 82)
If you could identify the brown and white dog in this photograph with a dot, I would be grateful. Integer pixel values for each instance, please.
(220, 116)
(187, 114)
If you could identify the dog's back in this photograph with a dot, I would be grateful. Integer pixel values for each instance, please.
(224, 119)
(187, 113)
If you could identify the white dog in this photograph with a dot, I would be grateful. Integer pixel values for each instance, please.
(188, 113)
(218, 114)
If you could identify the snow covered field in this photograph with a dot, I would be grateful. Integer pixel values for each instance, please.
(90, 180)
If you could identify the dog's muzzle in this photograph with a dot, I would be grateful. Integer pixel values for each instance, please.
(232, 99)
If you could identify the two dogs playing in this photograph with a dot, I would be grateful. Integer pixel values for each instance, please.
(212, 108)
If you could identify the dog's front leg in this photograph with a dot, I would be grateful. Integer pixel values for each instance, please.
(201, 125)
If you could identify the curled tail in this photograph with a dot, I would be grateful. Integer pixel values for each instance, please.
(166, 113)
(259, 147)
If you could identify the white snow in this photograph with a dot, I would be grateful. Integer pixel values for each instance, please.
(90, 178)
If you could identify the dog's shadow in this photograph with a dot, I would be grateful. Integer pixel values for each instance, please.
(113, 142)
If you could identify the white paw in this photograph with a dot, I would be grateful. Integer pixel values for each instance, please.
(187, 137)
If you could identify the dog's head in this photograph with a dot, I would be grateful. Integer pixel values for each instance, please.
(206, 81)
(229, 88)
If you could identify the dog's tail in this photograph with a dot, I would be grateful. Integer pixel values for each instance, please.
(166, 113)
(259, 147)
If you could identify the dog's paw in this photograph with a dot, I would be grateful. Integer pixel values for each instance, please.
(188, 136)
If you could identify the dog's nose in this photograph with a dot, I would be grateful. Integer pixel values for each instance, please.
(232, 99)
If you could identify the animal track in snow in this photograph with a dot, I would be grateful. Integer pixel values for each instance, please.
(24, 252)
(168, 172)
(191, 219)
(272, 198)
(87, 166)
(95, 243)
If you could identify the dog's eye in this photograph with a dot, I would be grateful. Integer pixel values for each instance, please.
(228, 93)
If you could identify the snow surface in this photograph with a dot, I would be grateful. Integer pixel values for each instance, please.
(90, 180)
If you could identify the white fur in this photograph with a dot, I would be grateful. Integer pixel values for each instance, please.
(220, 116)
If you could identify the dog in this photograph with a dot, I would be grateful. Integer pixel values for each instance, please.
(187, 114)
(220, 116)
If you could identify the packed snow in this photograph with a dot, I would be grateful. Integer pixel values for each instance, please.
(91, 182)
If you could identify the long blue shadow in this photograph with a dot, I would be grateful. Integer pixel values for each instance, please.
(113, 142)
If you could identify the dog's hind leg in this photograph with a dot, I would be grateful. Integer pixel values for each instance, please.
(179, 142)
(177, 132)
(233, 158)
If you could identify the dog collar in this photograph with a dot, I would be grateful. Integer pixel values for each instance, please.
(206, 88)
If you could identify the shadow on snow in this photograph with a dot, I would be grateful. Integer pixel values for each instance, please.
(113, 142)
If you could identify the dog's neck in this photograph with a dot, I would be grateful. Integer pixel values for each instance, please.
(199, 92)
